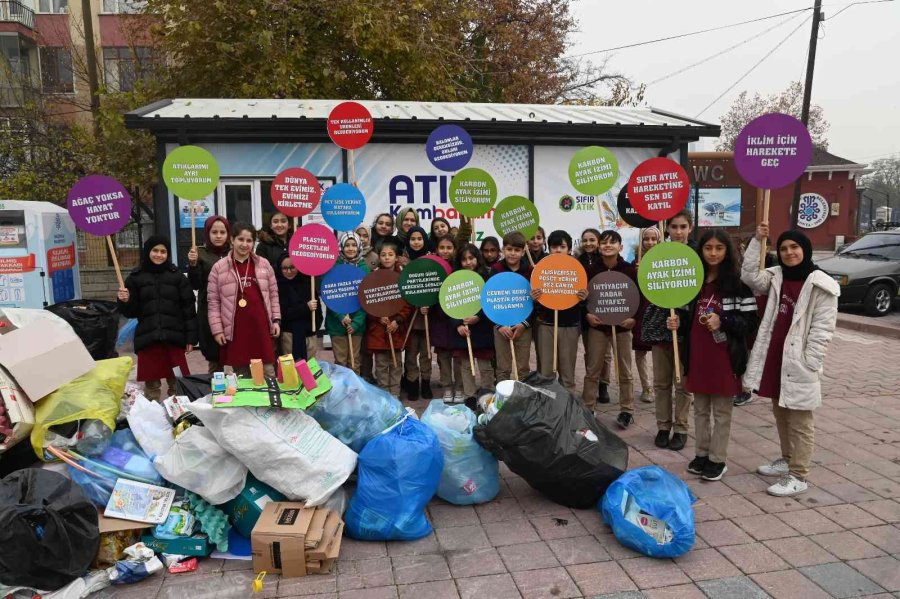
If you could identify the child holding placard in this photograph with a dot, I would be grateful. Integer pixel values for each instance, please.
(216, 245)
(788, 356)
(715, 327)
(338, 326)
(298, 308)
(387, 376)
(655, 333)
(513, 261)
(442, 331)
(477, 327)
(161, 299)
(592, 261)
(537, 247)
(599, 337)
(568, 328)
(490, 251)
(417, 363)
(642, 350)
(382, 228)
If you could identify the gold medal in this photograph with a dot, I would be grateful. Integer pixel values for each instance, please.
(242, 303)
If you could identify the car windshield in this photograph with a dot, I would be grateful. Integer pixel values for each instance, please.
(879, 246)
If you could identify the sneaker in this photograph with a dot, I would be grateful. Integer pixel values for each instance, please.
(788, 486)
(624, 420)
(427, 393)
(777, 468)
(698, 464)
(603, 394)
(743, 399)
(448, 396)
(459, 398)
(412, 390)
(678, 441)
(714, 470)
(662, 439)
(647, 396)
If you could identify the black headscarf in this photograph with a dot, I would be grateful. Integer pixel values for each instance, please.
(411, 253)
(802, 270)
(147, 265)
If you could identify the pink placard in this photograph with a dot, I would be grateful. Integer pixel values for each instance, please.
(313, 249)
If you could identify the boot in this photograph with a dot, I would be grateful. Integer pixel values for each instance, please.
(603, 394)
(427, 393)
(412, 390)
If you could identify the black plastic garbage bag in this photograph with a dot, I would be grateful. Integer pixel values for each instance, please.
(48, 530)
(96, 322)
(546, 436)
(194, 386)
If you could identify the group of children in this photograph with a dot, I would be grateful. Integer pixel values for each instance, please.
(252, 303)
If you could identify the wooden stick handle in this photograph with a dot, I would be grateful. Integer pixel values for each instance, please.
(352, 160)
(597, 203)
(675, 349)
(312, 295)
(662, 230)
(762, 244)
(115, 259)
(530, 259)
(555, 334)
(640, 248)
(352, 359)
(515, 367)
(427, 337)
(193, 226)
(411, 323)
(616, 355)
(393, 353)
(471, 355)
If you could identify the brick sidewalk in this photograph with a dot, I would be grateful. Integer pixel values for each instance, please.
(840, 539)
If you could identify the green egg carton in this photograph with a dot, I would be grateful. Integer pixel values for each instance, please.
(213, 521)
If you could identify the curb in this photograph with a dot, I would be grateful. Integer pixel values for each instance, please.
(865, 325)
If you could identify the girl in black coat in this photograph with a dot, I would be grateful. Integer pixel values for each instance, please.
(161, 299)
(477, 327)
(298, 334)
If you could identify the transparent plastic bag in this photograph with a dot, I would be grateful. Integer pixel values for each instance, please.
(125, 339)
(471, 475)
(151, 426)
(354, 411)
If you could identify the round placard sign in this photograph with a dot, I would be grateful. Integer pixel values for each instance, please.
(340, 286)
(593, 170)
(461, 294)
(473, 192)
(99, 205)
(296, 192)
(670, 274)
(516, 213)
(343, 207)
(560, 277)
(506, 299)
(613, 297)
(772, 150)
(629, 214)
(420, 282)
(313, 249)
(190, 172)
(379, 293)
(449, 148)
(658, 189)
(350, 125)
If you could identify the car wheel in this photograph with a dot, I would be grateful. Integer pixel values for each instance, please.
(879, 300)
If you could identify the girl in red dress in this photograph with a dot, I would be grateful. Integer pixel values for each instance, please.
(244, 313)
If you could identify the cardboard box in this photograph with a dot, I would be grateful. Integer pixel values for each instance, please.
(19, 410)
(278, 540)
(245, 509)
(197, 545)
(42, 357)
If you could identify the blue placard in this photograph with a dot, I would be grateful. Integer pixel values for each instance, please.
(343, 207)
(506, 299)
(340, 286)
(449, 148)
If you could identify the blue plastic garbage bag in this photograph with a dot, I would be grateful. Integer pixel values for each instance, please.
(471, 474)
(650, 511)
(125, 339)
(123, 458)
(398, 474)
(354, 411)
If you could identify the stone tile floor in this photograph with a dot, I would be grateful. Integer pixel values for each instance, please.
(841, 539)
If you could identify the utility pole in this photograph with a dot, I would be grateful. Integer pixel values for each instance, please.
(807, 97)
(90, 52)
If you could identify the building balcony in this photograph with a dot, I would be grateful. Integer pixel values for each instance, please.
(13, 11)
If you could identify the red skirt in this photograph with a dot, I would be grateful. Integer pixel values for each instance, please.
(251, 339)
(156, 362)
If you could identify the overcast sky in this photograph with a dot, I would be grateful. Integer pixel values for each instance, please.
(857, 80)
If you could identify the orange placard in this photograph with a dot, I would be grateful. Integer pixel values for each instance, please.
(560, 277)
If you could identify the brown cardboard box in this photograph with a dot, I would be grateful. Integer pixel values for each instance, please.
(19, 410)
(42, 357)
(330, 530)
(279, 537)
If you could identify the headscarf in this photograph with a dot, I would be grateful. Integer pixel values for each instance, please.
(147, 265)
(359, 249)
(411, 253)
(802, 270)
(401, 235)
(219, 250)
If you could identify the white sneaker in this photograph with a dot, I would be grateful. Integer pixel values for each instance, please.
(448, 396)
(788, 486)
(647, 396)
(777, 468)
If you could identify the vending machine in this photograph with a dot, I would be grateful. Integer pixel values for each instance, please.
(38, 257)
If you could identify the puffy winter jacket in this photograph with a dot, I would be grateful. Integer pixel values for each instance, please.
(812, 326)
(199, 278)
(222, 294)
(163, 304)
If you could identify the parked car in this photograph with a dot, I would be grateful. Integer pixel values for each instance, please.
(868, 271)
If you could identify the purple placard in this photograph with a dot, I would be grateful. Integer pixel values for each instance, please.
(449, 148)
(772, 151)
(99, 205)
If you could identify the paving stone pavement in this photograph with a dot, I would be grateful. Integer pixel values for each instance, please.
(841, 539)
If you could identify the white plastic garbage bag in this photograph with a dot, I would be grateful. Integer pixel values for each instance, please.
(285, 449)
(198, 463)
(151, 426)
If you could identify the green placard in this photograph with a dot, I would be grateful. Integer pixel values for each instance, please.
(473, 192)
(670, 275)
(516, 213)
(593, 170)
(420, 282)
(191, 172)
(461, 294)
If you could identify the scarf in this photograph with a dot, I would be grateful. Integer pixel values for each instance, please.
(147, 265)
(400, 216)
(219, 250)
(411, 253)
(359, 249)
(802, 270)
